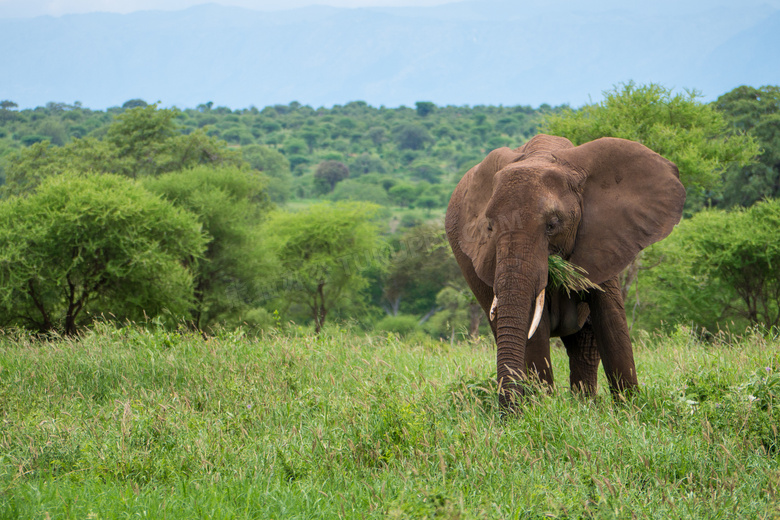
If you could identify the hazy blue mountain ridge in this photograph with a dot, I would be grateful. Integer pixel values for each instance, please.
(474, 52)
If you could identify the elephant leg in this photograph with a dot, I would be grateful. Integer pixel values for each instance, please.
(583, 359)
(608, 318)
(537, 353)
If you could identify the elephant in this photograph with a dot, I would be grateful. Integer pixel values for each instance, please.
(596, 205)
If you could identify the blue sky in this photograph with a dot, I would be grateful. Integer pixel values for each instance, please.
(709, 45)
(29, 8)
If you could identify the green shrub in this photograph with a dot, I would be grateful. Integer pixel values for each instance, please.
(400, 324)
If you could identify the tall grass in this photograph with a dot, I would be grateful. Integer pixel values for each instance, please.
(148, 423)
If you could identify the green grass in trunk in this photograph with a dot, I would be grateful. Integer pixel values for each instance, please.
(567, 276)
(132, 422)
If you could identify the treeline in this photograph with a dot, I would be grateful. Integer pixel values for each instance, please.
(407, 157)
(211, 217)
(150, 221)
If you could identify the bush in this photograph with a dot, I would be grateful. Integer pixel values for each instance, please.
(328, 174)
(257, 319)
(229, 203)
(83, 246)
(400, 324)
(716, 267)
(355, 190)
(412, 137)
(30, 140)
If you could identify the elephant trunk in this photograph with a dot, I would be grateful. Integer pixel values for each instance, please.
(519, 292)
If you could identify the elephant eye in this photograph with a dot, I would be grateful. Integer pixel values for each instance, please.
(552, 225)
(490, 225)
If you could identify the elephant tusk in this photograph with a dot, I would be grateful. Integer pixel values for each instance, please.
(493, 308)
(537, 314)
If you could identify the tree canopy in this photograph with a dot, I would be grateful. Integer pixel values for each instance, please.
(230, 204)
(143, 141)
(275, 166)
(324, 253)
(86, 245)
(718, 267)
(328, 174)
(226, 169)
(419, 267)
(692, 134)
(757, 111)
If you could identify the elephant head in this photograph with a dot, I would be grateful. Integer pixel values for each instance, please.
(597, 205)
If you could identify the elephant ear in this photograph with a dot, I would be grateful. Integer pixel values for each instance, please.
(632, 197)
(474, 237)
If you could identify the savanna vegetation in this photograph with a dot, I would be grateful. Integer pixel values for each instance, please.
(146, 422)
(255, 314)
(308, 215)
(245, 175)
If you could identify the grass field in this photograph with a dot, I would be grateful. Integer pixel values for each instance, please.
(134, 423)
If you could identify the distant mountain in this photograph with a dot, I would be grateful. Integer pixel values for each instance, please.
(472, 52)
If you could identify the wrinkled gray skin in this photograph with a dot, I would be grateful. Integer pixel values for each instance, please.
(597, 205)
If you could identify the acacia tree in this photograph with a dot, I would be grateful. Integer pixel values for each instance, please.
(754, 110)
(678, 126)
(412, 137)
(424, 108)
(275, 166)
(328, 174)
(147, 141)
(85, 245)
(229, 203)
(324, 254)
(421, 266)
(141, 142)
(719, 266)
(6, 110)
(453, 307)
(27, 169)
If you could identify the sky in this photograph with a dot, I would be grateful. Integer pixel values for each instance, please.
(709, 45)
(30, 8)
